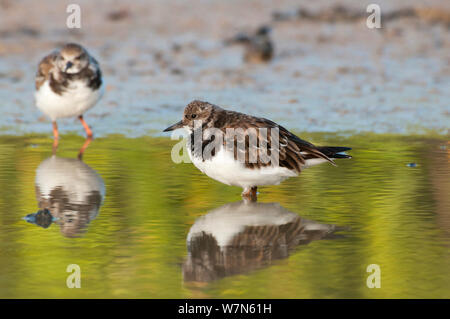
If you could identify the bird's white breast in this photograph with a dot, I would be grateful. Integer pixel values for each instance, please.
(225, 169)
(74, 101)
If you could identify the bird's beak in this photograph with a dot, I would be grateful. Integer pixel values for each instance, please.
(68, 66)
(41, 218)
(31, 218)
(174, 127)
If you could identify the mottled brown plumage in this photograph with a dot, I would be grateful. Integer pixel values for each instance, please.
(53, 68)
(44, 69)
(73, 218)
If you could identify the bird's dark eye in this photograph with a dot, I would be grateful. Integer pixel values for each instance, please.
(194, 116)
(81, 56)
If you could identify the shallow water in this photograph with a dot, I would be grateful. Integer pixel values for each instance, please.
(165, 230)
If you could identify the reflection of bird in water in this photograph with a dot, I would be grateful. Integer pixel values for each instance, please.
(70, 192)
(258, 46)
(242, 236)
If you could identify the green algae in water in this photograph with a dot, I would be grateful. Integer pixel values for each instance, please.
(135, 246)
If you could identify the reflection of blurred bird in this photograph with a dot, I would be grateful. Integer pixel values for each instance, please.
(68, 83)
(70, 191)
(258, 46)
(242, 236)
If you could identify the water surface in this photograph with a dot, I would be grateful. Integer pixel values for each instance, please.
(140, 226)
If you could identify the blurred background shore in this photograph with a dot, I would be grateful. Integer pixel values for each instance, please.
(330, 73)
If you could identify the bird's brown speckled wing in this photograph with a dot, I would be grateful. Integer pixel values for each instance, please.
(293, 151)
(44, 69)
(93, 74)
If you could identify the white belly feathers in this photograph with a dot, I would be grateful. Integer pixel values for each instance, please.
(225, 169)
(76, 100)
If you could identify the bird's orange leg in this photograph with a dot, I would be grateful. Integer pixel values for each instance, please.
(55, 136)
(84, 147)
(86, 127)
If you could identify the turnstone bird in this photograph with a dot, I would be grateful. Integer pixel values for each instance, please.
(233, 148)
(258, 46)
(243, 236)
(68, 83)
(69, 192)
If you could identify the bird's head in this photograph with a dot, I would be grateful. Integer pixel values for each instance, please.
(72, 58)
(194, 111)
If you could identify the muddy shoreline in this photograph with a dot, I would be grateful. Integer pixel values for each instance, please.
(326, 76)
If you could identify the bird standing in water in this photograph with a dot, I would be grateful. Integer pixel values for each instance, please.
(246, 167)
(68, 83)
